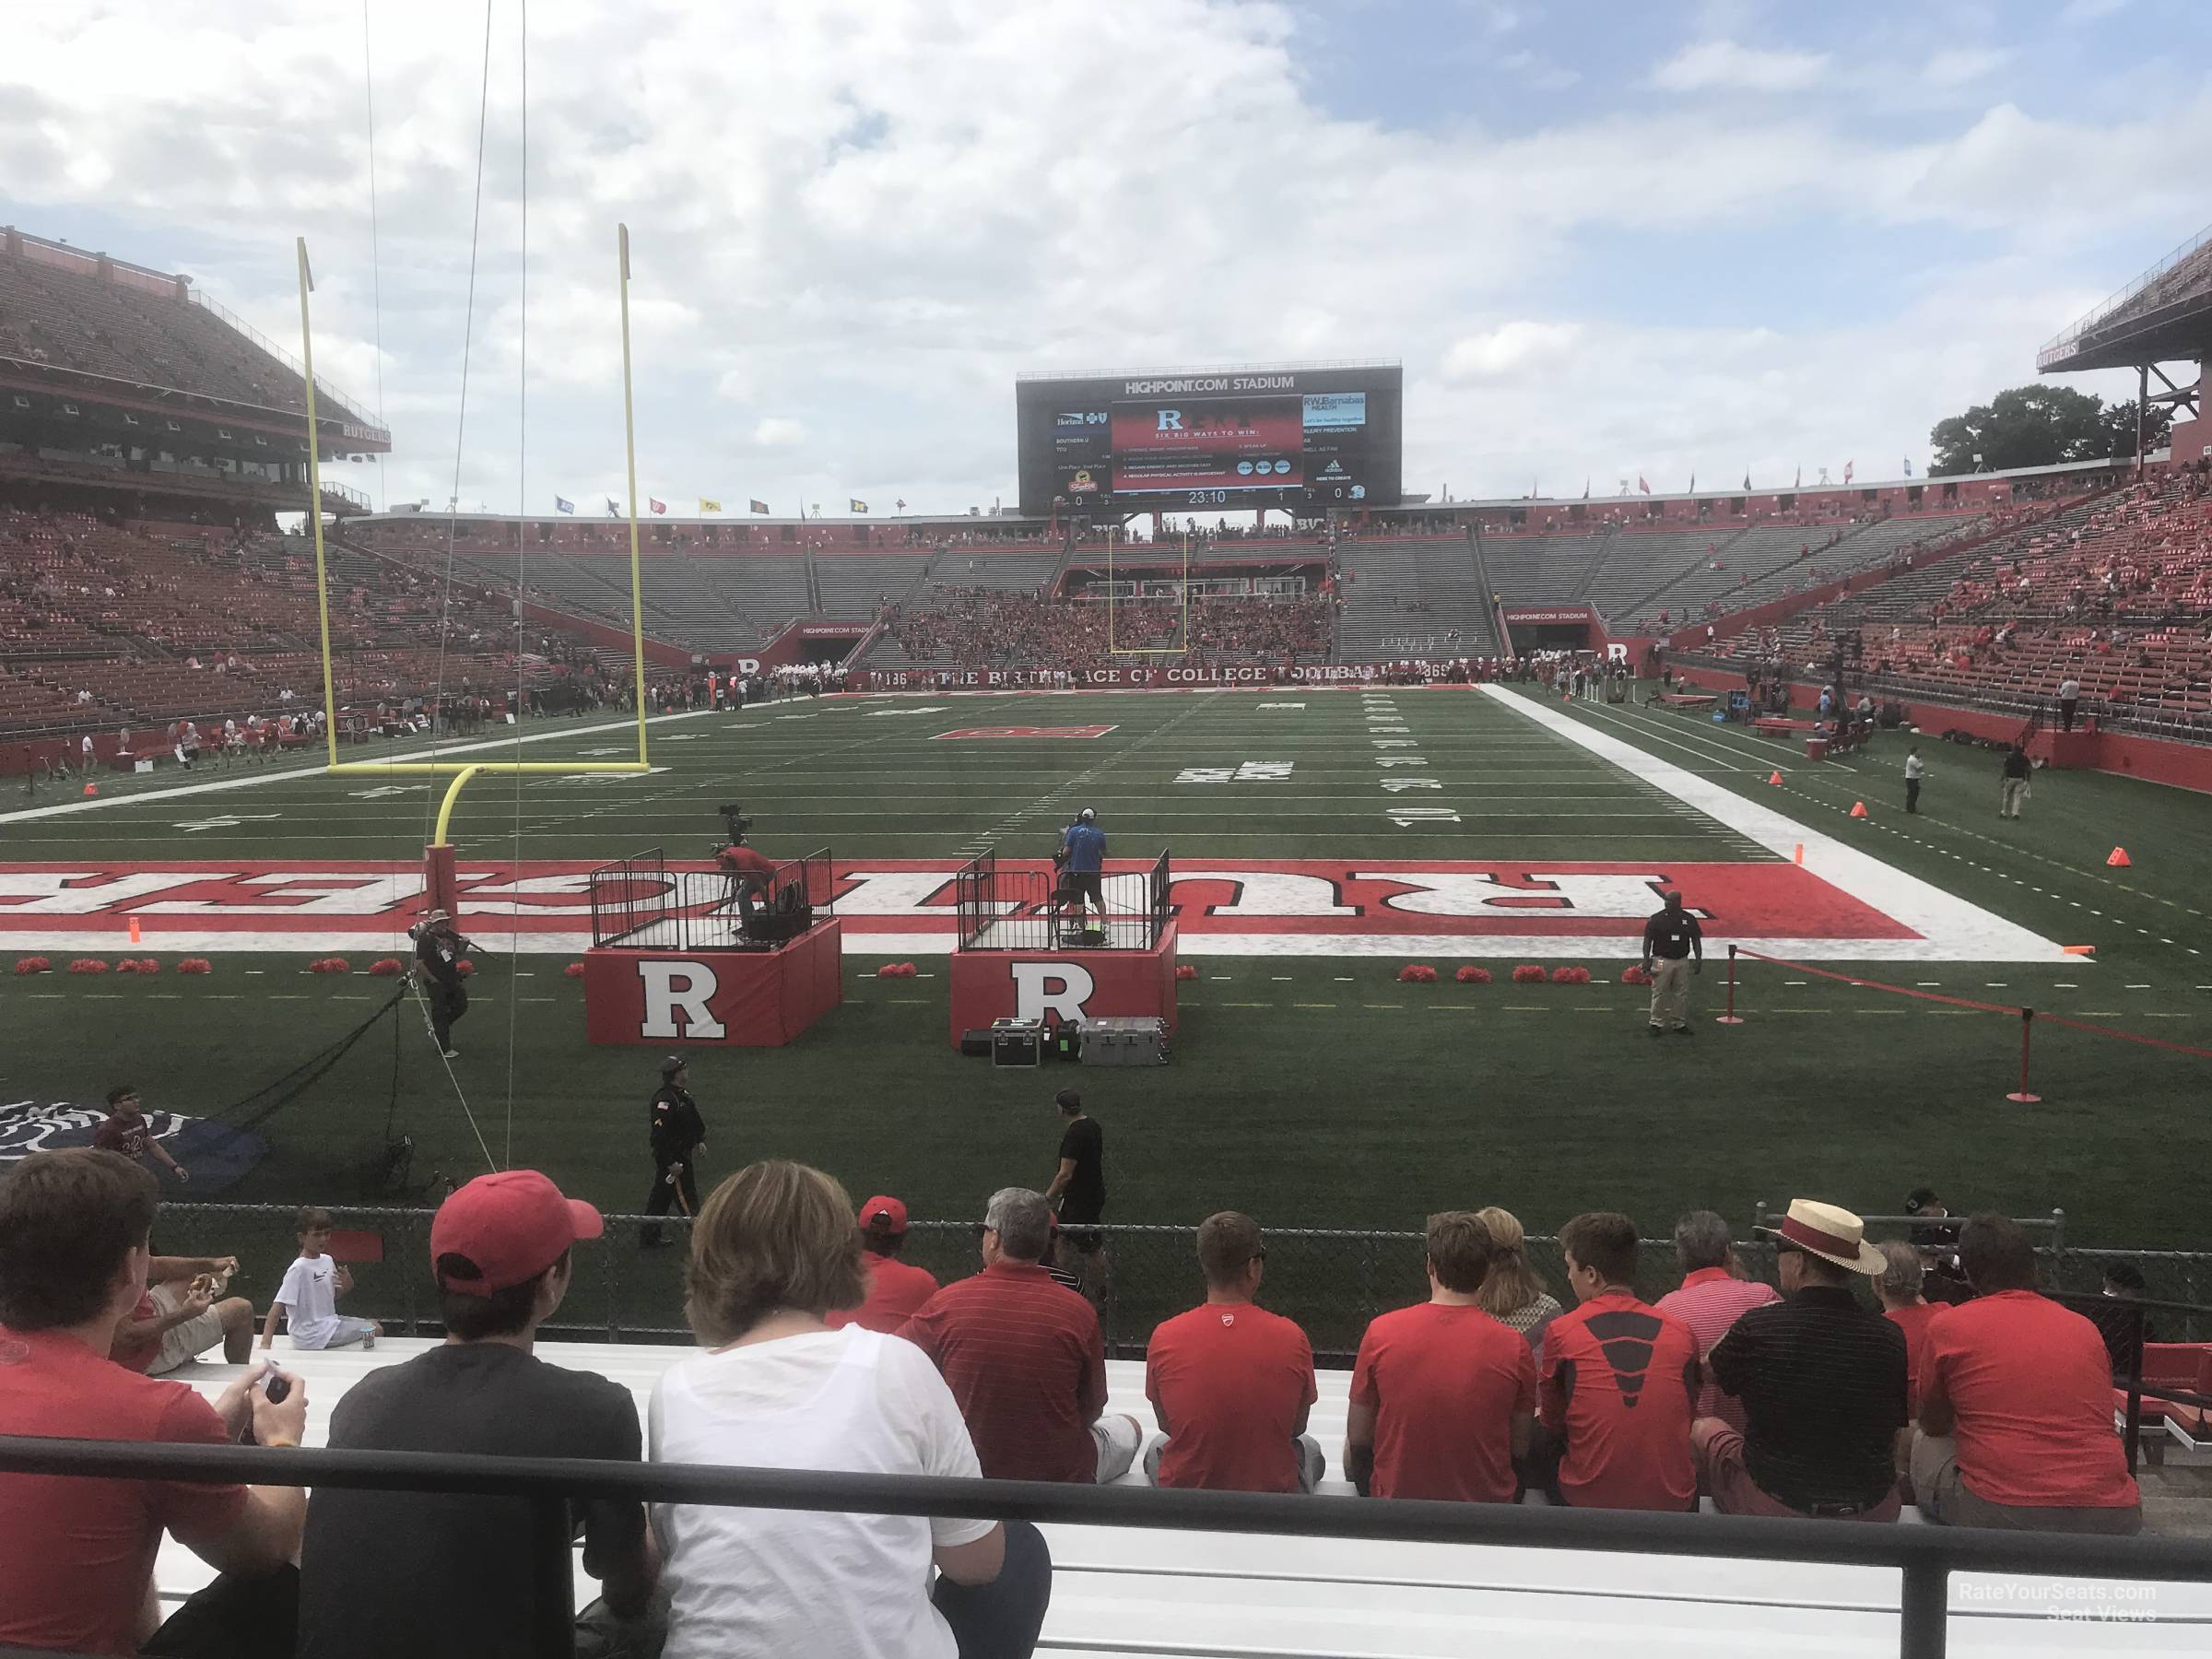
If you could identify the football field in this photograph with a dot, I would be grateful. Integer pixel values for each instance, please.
(1320, 838)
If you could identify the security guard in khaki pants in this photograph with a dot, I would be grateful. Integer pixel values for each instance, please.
(1674, 949)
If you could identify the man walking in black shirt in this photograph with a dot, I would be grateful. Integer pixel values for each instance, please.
(1674, 949)
(439, 948)
(2014, 789)
(677, 1132)
(1078, 1188)
(1823, 1381)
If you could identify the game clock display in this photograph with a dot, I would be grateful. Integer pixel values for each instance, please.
(1257, 440)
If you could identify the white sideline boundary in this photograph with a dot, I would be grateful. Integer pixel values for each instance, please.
(1951, 929)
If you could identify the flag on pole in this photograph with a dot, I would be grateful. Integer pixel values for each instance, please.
(1747, 481)
(562, 504)
(1798, 482)
(1693, 484)
(707, 506)
(1643, 484)
(854, 504)
(614, 507)
(756, 506)
(900, 505)
(1848, 465)
(657, 506)
(1586, 487)
(1908, 467)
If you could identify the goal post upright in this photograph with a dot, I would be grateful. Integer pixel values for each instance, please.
(437, 858)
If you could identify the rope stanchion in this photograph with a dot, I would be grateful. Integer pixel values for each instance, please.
(1732, 1017)
(2021, 1095)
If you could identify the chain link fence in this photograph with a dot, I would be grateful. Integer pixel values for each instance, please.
(1332, 1282)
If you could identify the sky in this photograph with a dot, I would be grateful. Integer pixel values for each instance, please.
(1611, 240)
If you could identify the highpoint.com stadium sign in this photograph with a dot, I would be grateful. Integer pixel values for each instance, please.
(1209, 382)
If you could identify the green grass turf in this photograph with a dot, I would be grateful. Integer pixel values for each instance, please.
(1310, 1090)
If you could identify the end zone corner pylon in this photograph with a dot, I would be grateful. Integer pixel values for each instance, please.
(2119, 860)
(1858, 809)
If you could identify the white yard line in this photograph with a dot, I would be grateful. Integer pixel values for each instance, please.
(1950, 928)
(255, 779)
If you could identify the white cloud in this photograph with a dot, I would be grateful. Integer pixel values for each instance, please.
(840, 272)
(2077, 12)
(1722, 65)
(1958, 66)
(1508, 350)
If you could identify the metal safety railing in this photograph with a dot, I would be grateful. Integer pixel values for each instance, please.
(1924, 1557)
(640, 903)
(1027, 906)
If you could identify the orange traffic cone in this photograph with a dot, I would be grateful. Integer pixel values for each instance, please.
(2120, 860)
(1858, 809)
(135, 939)
(91, 789)
(1774, 777)
(1797, 854)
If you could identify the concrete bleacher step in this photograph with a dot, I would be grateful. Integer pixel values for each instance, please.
(1122, 1593)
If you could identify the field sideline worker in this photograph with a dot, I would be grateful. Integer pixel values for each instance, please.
(439, 948)
(677, 1132)
(1915, 770)
(1085, 844)
(1674, 949)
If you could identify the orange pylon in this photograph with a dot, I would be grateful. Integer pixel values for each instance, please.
(1858, 809)
(1797, 854)
(91, 789)
(2119, 859)
(1774, 777)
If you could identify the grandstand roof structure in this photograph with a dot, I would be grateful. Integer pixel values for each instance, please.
(105, 330)
(2164, 316)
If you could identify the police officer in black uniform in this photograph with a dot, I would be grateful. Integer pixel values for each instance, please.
(677, 1132)
(1674, 949)
(439, 948)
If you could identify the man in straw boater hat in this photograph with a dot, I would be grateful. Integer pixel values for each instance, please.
(1822, 1378)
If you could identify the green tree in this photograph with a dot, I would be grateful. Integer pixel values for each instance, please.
(2119, 439)
(2027, 426)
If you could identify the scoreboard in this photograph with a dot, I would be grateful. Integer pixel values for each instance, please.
(1302, 438)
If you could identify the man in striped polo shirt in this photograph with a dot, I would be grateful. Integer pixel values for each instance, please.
(1024, 1358)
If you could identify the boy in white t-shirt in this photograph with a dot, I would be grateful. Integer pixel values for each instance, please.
(308, 1298)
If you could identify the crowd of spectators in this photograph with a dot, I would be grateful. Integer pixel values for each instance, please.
(819, 1350)
(986, 627)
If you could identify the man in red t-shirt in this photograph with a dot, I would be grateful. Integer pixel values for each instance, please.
(125, 1130)
(1620, 1383)
(896, 1290)
(2015, 1404)
(77, 1556)
(1231, 1383)
(1024, 1358)
(1898, 1288)
(749, 874)
(1443, 1397)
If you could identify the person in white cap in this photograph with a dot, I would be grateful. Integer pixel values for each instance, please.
(1822, 1377)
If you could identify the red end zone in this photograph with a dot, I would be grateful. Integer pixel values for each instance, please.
(1224, 907)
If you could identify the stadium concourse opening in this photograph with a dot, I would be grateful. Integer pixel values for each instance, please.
(1851, 1292)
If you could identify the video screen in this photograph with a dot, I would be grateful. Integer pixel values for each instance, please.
(1264, 439)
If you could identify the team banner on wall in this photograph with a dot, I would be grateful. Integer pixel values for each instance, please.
(986, 679)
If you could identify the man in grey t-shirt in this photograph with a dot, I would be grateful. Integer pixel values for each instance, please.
(429, 1575)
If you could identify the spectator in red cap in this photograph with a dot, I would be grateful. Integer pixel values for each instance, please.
(895, 1288)
(501, 1252)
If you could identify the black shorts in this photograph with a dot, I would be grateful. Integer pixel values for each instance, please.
(1084, 884)
(1075, 1222)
